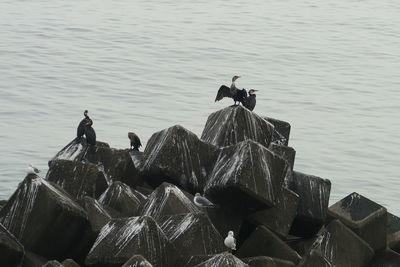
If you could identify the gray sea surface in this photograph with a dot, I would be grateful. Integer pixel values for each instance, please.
(330, 68)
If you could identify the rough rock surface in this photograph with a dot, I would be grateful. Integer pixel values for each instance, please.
(137, 261)
(77, 178)
(33, 260)
(365, 217)
(52, 263)
(280, 217)
(281, 131)
(123, 199)
(264, 261)
(11, 251)
(70, 263)
(263, 242)
(340, 246)
(246, 172)
(167, 200)
(116, 164)
(193, 234)
(313, 205)
(224, 259)
(120, 239)
(44, 218)
(178, 156)
(234, 124)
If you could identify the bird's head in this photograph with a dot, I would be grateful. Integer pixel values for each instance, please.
(197, 194)
(252, 92)
(234, 78)
(230, 233)
(85, 113)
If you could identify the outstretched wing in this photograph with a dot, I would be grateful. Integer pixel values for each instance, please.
(224, 91)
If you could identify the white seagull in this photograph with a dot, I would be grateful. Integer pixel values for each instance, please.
(230, 241)
(202, 202)
(32, 169)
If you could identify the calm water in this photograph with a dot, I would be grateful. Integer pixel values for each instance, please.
(330, 68)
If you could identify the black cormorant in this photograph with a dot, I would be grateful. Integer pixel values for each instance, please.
(135, 141)
(89, 132)
(81, 127)
(250, 102)
(238, 95)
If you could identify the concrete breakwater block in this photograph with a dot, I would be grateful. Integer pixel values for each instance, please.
(248, 173)
(281, 131)
(224, 259)
(263, 242)
(340, 246)
(137, 261)
(315, 259)
(264, 261)
(167, 200)
(77, 178)
(44, 218)
(280, 217)
(365, 217)
(11, 250)
(123, 238)
(385, 258)
(98, 214)
(178, 156)
(116, 164)
(286, 152)
(193, 234)
(393, 230)
(301, 245)
(235, 124)
(314, 195)
(123, 199)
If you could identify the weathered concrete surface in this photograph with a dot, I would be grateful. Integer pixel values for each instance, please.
(33, 260)
(123, 199)
(137, 261)
(315, 259)
(301, 245)
(385, 258)
(11, 250)
(52, 263)
(235, 124)
(393, 230)
(280, 217)
(120, 239)
(193, 234)
(314, 195)
(116, 164)
(224, 259)
(77, 178)
(167, 200)
(286, 152)
(281, 131)
(263, 242)
(264, 261)
(98, 214)
(44, 218)
(340, 246)
(365, 217)
(178, 156)
(70, 263)
(246, 172)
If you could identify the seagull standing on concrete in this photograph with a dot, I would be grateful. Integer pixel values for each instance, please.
(202, 202)
(32, 169)
(230, 241)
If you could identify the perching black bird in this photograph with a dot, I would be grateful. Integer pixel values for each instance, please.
(238, 95)
(250, 102)
(135, 141)
(89, 132)
(81, 127)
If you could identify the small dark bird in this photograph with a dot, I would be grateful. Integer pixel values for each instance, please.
(90, 133)
(250, 102)
(81, 127)
(238, 95)
(135, 141)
